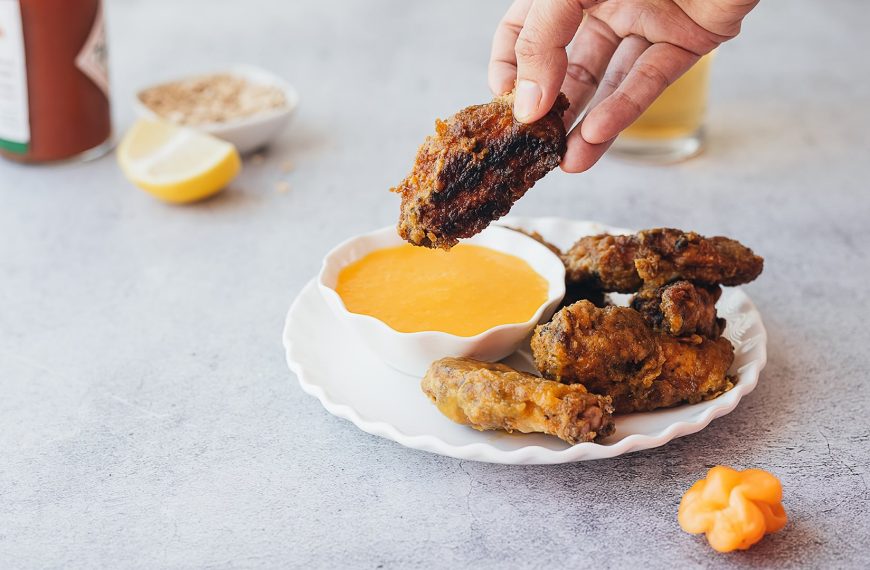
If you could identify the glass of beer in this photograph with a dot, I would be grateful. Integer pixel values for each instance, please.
(672, 129)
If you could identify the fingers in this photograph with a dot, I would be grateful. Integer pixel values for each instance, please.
(582, 154)
(502, 58)
(588, 56)
(540, 53)
(654, 70)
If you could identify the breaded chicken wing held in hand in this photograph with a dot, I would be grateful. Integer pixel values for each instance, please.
(656, 257)
(681, 308)
(613, 352)
(490, 396)
(472, 170)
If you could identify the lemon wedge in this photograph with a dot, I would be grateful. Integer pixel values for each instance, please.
(176, 164)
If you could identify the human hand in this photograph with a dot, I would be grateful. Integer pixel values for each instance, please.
(617, 56)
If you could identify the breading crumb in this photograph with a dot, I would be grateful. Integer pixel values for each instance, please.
(216, 98)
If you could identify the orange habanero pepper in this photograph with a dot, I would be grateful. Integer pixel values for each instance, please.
(734, 508)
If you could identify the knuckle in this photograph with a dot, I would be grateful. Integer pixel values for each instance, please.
(614, 79)
(526, 48)
(511, 26)
(581, 74)
(624, 99)
(653, 74)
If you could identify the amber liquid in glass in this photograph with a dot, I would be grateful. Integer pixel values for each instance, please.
(671, 129)
(679, 111)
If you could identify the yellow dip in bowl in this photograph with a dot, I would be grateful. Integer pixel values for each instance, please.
(464, 291)
(412, 305)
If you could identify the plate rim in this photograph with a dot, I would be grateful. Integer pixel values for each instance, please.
(530, 454)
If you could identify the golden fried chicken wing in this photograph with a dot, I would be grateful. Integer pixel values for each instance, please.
(472, 170)
(614, 352)
(694, 369)
(657, 257)
(489, 396)
(681, 308)
(604, 262)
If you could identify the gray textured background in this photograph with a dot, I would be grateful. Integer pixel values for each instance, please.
(147, 417)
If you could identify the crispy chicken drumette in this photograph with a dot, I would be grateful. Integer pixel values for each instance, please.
(490, 396)
(657, 257)
(472, 170)
(681, 308)
(614, 352)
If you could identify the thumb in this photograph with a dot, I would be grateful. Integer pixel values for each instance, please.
(541, 58)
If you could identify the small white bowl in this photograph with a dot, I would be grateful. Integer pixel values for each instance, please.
(248, 133)
(412, 353)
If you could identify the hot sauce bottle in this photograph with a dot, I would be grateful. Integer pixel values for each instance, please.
(54, 89)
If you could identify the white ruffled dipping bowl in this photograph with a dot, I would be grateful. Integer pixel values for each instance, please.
(412, 353)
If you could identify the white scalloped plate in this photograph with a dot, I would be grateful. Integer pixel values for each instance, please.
(352, 383)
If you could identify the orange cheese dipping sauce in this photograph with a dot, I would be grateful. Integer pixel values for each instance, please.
(464, 291)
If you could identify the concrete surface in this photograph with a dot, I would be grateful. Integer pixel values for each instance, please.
(147, 418)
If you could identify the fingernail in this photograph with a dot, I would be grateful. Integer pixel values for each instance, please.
(527, 99)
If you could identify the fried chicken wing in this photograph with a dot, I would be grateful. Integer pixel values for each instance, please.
(472, 170)
(490, 396)
(604, 262)
(583, 343)
(657, 257)
(681, 308)
(694, 369)
(614, 352)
